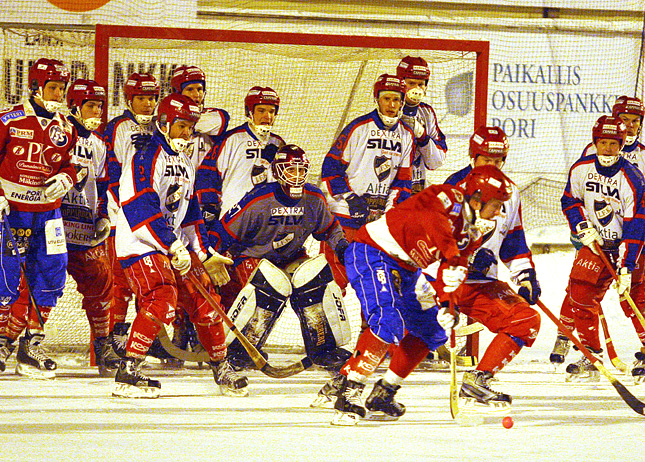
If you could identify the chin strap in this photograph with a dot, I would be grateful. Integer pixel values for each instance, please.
(262, 132)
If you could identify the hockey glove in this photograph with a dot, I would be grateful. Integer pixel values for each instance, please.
(452, 274)
(588, 235)
(4, 207)
(140, 140)
(358, 208)
(624, 282)
(101, 232)
(211, 212)
(57, 186)
(446, 320)
(180, 257)
(482, 260)
(215, 266)
(529, 288)
(340, 250)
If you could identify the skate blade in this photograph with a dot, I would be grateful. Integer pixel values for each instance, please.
(323, 402)
(34, 373)
(469, 406)
(379, 416)
(233, 392)
(579, 378)
(124, 390)
(345, 419)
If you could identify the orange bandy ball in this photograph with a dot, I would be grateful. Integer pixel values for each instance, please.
(507, 422)
(78, 5)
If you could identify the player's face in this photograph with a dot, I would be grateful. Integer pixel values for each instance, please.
(264, 114)
(491, 209)
(91, 109)
(181, 129)
(486, 160)
(389, 103)
(194, 91)
(415, 83)
(633, 123)
(143, 104)
(54, 90)
(296, 174)
(607, 147)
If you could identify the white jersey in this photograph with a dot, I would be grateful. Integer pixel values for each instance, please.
(211, 124)
(158, 204)
(237, 163)
(84, 203)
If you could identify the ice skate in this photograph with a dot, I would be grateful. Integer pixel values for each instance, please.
(239, 359)
(583, 370)
(115, 348)
(327, 395)
(6, 348)
(560, 350)
(32, 361)
(131, 383)
(230, 382)
(332, 360)
(638, 371)
(381, 403)
(100, 346)
(477, 396)
(349, 408)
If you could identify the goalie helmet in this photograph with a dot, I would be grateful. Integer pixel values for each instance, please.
(45, 70)
(185, 75)
(387, 82)
(489, 142)
(260, 95)
(412, 67)
(139, 85)
(291, 167)
(628, 105)
(79, 92)
(490, 182)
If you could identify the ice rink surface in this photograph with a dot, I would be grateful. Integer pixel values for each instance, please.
(74, 417)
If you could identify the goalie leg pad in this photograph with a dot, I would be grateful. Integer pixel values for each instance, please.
(318, 302)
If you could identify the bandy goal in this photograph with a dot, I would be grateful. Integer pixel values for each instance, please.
(324, 82)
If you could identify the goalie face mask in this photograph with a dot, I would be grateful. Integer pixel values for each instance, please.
(291, 168)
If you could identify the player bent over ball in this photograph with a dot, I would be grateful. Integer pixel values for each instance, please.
(384, 266)
(158, 221)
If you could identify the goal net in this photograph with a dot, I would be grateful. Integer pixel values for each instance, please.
(324, 82)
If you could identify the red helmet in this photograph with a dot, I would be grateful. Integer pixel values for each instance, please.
(260, 95)
(628, 105)
(290, 167)
(610, 127)
(490, 182)
(186, 74)
(84, 90)
(489, 142)
(413, 68)
(387, 82)
(140, 84)
(176, 106)
(45, 70)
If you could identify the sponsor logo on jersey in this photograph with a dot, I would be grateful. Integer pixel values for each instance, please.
(444, 200)
(382, 167)
(21, 133)
(12, 116)
(57, 136)
(176, 170)
(384, 145)
(603, 211)
(173, 197)
(285, 211)
(81, 177)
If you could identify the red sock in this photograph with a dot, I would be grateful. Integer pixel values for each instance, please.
(142, 333)
(498, 354)
(367, 356)
(213, 339)
(408, 355)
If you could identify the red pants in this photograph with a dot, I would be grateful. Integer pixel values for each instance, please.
(121, 291)
(15, 318)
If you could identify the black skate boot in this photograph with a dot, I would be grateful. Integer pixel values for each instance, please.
(328, 393)
(333, 360)
(32, 361)
(349, 408)
(478, 396)
(638, 371)
(239, 359)
(583, 370)
(115, 348)
(381, 402)
(230, 382)
(131, 383)
(560, 350)
(6, 348)
(100, 346)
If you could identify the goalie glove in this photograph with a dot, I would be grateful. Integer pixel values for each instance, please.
(57, 186)
(529, 288)
(180, 257)
(101, 231)
(453, 273)
(358, 208)
(624, 281)
(588, 235)
(446, 320)
(215, 266)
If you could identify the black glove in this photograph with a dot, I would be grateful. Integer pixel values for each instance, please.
(269, 151)
(529, 286)
(482, 261)
(358, 208)
(140, 140)
(340, 250)
(210, 212)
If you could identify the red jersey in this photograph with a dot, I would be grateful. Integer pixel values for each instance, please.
(425, 228)
(32, 150)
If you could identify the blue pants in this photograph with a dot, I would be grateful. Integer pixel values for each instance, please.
(389, 297)
(41, 240)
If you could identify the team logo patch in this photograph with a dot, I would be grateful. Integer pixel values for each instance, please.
(57, 136)
(282, 239)
(604, 212)
(81, 176)
(260, 171)
(172, 198)
(382, 167)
